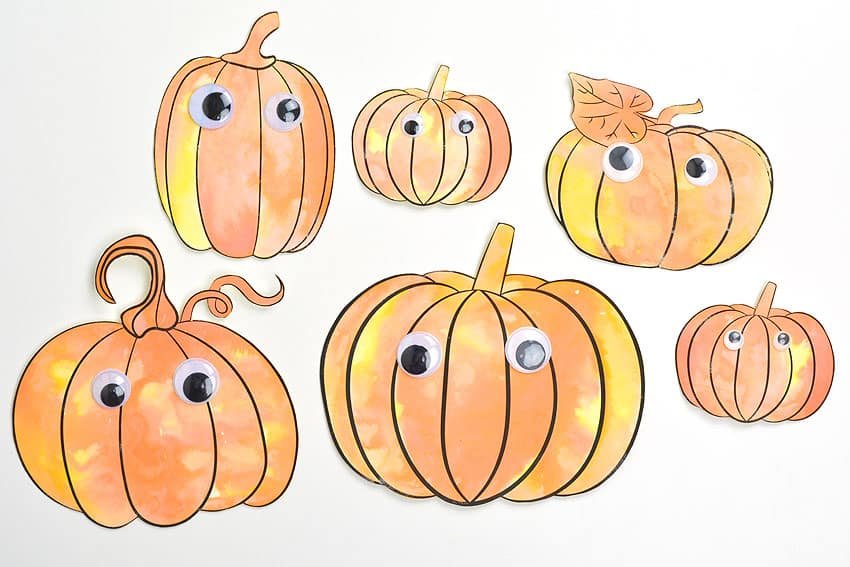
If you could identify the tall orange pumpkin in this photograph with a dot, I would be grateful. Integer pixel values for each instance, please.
(755, 363)
(244, 152)
(472, 389)
(158, 416)
(633, 189)
(434, 147)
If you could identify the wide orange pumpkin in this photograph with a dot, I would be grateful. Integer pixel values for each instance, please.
(472, 389)
(755, 363)
(156, 417)
(244, 152)
(633, 189)
(434, 147)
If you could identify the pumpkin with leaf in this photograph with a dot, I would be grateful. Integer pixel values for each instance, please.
(633, 189)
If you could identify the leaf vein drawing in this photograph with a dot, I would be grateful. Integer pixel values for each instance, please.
(599, 98)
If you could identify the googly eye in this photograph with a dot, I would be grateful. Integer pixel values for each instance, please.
(211, 106)
(284, 112)
(463, 123)
(413, 124)
(196, 381)
(733, 340)
(110, 389)
(782, 340)
(622, 162)
(701, 170)
(528, 349)
(419, 354)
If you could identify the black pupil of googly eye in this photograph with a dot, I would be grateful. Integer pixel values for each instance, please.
(783, 339)
(412, 127)
(198, 387)
(415, 359)
(734, 337)
(465, 126)
(216, 106)
(696, 167)
(530, 354)
(112, 395)
(621, 158)
(288, 110)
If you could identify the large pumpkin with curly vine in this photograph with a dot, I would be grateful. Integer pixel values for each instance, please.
(157, 416)
(633, 189)
(472, 389)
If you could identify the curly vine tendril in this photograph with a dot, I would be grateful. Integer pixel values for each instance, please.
(221, 305)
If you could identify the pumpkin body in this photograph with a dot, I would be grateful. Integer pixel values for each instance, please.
(767, 376)
(663, 217)
(478, 429)
(246, 187)
(157, 456)
(441, 164)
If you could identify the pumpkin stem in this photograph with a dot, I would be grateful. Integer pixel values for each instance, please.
(494, 264)
(221, 305)
(765, 301)
(438, 85)
(155, 310)
(667, 115)
(249, 55)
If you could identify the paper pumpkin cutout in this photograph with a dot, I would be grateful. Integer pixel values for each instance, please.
(755, 363)
(635, 190)
(434, 147)
(244, 152)
(158, 416)
(472, 389)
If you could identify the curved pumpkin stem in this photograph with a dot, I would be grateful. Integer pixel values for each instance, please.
(494, 264)
(221, 305)
(438, 85)
(155, 310)
(765, 301)
(667, 115)
(249, 55)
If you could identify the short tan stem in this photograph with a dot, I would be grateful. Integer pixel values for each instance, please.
(765, 301)
(249, 55)
(494, 264)
(668, 114)
(438, 85)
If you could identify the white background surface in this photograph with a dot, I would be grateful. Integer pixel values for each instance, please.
(82, 83)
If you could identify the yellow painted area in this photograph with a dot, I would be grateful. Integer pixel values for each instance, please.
(801, 354)
(274, 432)
(375, 141)
(195, 460)
(60, 373)
(588, 414)
(83, 456)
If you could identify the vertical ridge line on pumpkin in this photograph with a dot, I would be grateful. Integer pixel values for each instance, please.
(766, 369)
(675, 203)
(545, 445)
(387, 150)
(303, 165)
(329, 135)
(560, 212)
(811, 348)
(221, 356)
(394, 404)
(371, 185)
(198, 176)
(493, 268)
(462, 173)
(598, 435)
(260, 166)
(683, 370)
(641, 373)
(486, 180)
(688, 358)
(809, 412)
(348, 372)
(412, 162)
(596, 219)
(466, 162)
(711, 373)
(442, 156)
(166, 203)
(790, 354)
(62, 426)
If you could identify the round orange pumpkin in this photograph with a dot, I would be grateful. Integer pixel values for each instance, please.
(244, 152)
(472, 389)
(434, 147)
(156, 417)
(755, 363)
(633, 189)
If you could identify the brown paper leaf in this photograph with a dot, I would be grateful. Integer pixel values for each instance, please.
(608, 112)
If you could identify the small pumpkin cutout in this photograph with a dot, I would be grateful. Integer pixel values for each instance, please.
(431, 147)
(472, 389)
(244, 151)
(755, 363)
(157, 416)
(632, 189)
